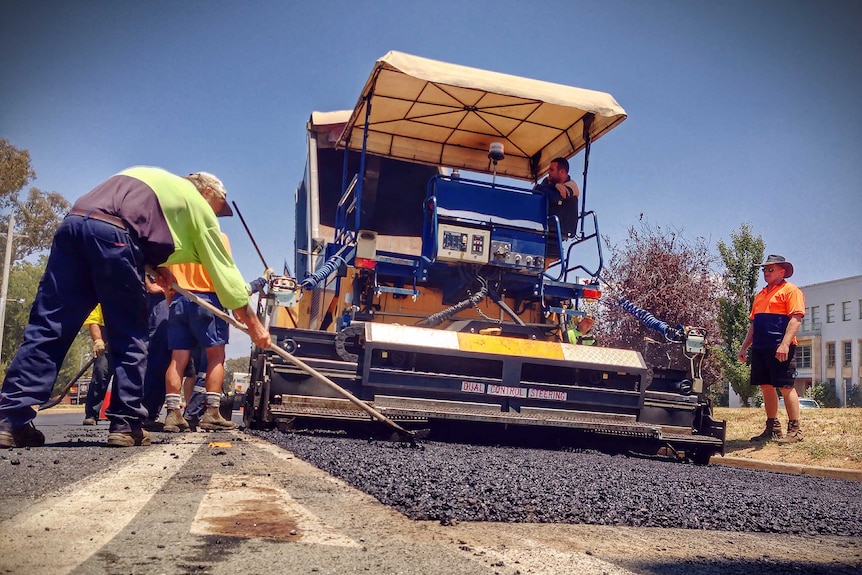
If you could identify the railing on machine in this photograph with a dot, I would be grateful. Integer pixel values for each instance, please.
(344, 211)
(564, 269)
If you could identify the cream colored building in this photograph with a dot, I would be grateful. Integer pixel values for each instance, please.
(830, 339)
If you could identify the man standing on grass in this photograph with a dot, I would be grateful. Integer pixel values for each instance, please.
(775, 318)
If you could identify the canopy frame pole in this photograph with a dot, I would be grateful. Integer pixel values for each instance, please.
(360, 185)
(588, 122)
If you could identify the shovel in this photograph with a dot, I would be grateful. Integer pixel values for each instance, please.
(55, 399)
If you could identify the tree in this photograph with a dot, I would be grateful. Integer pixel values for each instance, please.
(668, 276)
(825, 394)
(235, 365)
(740, 259)
(23, 282)
(15, 172)
(36, 220)
(38, 216)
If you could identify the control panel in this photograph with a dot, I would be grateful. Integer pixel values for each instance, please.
(511, 254)
(461, 243)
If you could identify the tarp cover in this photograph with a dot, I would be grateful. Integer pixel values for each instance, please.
(448, 115)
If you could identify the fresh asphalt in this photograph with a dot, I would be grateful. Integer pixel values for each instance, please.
(231, 502)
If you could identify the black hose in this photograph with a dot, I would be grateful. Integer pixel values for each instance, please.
(441, 316)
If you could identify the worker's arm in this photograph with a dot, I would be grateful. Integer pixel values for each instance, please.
(98, 339)
(259, 335)
(749, 337)
(783, 351)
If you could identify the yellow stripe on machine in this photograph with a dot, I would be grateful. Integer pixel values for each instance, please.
(509, 346)
(467, 342)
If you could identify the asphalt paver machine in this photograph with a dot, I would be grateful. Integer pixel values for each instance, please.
(440, 295)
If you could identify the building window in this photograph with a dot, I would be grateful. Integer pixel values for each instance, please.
(803, 356)
(815, 317)
(845, 311)
(830, 313)
(847, 354)
(830, 354)
(860, 309)
(859, 355)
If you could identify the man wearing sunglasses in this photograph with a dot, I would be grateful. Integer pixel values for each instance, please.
(776, 315)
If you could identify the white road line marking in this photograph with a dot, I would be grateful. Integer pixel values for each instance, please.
(254, 506)
(89, 514)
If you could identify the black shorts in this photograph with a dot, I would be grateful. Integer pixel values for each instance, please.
(766, 370)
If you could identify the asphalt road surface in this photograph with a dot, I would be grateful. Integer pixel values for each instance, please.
(231, 502)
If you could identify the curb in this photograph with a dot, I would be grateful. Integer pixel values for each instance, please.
(793, 468)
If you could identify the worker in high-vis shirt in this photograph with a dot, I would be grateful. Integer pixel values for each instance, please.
(102, 372)
(581, 334)
(140, 217)
(191, 327)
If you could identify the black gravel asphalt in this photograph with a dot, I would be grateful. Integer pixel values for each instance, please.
(450, 481)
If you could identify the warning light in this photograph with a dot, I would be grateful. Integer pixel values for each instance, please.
(365, 263)
(590, 293)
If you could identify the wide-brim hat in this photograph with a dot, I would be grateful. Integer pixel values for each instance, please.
(779, 261)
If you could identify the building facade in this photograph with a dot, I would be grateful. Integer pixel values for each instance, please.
(830, 339)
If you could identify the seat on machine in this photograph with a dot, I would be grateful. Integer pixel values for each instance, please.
(565, 215)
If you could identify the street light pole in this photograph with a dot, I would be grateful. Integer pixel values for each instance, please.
(4, 289)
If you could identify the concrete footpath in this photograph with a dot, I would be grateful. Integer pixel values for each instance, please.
(794, 468)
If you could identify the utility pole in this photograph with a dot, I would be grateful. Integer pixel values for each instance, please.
(4, 290)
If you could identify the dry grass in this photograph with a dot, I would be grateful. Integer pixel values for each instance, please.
(832, 437)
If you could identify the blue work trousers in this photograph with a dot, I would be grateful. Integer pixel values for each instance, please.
(91, 262)
(197, 404)
(158, 356)
(98, 387)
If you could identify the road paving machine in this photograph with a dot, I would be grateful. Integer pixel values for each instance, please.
(442, 297)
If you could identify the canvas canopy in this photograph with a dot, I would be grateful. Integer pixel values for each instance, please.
(448, 115)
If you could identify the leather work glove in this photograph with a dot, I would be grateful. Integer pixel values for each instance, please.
(98, 347)
(267, 273)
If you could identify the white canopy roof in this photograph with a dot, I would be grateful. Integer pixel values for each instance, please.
(448, 115)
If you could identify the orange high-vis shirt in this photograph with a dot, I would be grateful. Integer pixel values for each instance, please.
(771, 313)
(194, 277)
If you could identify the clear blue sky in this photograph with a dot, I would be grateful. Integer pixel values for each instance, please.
(739, 111)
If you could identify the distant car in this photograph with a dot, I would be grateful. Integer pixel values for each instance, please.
(804, 403)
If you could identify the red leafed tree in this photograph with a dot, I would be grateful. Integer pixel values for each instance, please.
(672, 278)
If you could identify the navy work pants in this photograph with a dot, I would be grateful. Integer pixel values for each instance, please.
(98, 386)
(159, 356)
(91, 262)
(197, 404)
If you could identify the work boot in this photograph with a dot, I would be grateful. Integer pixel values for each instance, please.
(153, 425)
(27, 436)
(215, 422)
(771, 433)
(175, 423)
(794, 433)
(89, 421)
(193, 421)
(128, 438)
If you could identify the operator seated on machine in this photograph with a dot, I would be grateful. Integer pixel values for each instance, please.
(562, 193)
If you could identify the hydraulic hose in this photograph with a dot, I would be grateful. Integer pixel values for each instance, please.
(441, 316)
(671, 334)
(330, 267)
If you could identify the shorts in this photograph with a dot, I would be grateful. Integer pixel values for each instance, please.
(766, 370)
(191, 326)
